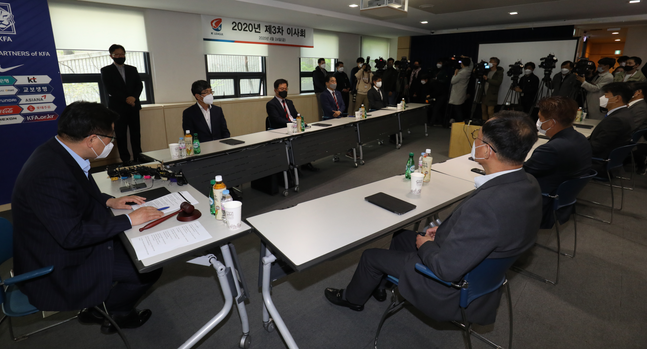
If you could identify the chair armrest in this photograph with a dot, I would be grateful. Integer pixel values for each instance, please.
(549, 196)
(600, 159)
(426, 271)
(28, 276)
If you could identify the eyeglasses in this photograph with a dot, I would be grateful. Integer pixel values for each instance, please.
(475, 136)
(112, 139)
(206, 92)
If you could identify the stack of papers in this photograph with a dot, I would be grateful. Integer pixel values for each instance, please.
(172, 201)
(153, 244)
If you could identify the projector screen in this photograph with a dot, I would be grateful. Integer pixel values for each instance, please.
(509, 53)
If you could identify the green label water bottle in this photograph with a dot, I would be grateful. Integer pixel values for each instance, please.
(212, 206)
(196, 144)
(411, 167)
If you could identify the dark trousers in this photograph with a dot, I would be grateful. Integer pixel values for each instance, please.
(376, 263)
(456, 112)
(128, 284)
(125, 121)
(344, 96)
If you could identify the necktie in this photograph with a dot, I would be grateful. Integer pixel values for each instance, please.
(335, 98)
(287, 116)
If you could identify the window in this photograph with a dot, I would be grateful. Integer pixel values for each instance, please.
(236, 76)
(81, 74)
(308, 65)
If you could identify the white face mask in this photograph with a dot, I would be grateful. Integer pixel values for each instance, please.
(600, 70)
(323, 65)
(359, 65)
(604, 101)
(340, 69)
(378, 84)
(208, 99)
(423, 82)
(623, 64)
(527, 72)
(439, 66)
(106, 149)
(539, 124)
(473, 153)
(565, 71)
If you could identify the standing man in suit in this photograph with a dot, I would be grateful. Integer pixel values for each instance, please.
(565, 83)
(280, 110)
(528, 86)
(638, 109)
(343, 83)
(594, 88)
(204, 118)
(62, 219)
(124, 86)
(567, 154)
(499, 219)
(377, 98)
(390, 80)
(319, 82)
(331, 100)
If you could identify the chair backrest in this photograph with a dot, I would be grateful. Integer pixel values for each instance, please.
(268, 125)
(636, 135)
(6, 240)
(618, 156)
(567, 191)
(485, 278)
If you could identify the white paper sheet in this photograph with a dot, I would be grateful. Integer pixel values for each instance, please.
(152, 244)
(172, 200)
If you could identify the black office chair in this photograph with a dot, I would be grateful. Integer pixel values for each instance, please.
(268, 123)
(485, 278)
(565, 196)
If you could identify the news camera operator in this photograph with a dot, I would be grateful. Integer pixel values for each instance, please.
(564, 83)
(528, 87)
(343, 84)
(353, 83)
(458, 94)
(363, 77)
(490, 96)
(390, 81)
(594, 88)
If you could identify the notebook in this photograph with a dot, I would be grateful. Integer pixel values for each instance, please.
(390, 203)
(232, 141)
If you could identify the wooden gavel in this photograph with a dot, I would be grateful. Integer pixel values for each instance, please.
(184, 207)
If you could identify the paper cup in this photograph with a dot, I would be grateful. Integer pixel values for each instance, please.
(233, 209)
(416, 182)
(174, 148)
(290, 127)
(358, 115)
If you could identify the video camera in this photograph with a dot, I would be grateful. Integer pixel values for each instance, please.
(548, 62)
(583, 66)
(482, 68)
(455, 62)
(380, 63)
(404, 64)
(515, 72)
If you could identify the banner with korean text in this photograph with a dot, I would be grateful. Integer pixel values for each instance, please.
(31, 92)
(253, 32)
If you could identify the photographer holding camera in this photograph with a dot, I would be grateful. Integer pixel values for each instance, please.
(528, 86)
(363, 77)
(459, 83)
(493, 80)
(594, 88)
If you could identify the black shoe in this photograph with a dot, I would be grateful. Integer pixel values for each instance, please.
(379, 294)
(349, 154)
(310, 167)
(90, 316)
(334, 296)
(135, 319)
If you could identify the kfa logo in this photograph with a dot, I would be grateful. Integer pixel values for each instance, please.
(7, 23)
(216, 24)
(31, 80)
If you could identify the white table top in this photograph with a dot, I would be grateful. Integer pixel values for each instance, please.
(219, 231)
(316, 230)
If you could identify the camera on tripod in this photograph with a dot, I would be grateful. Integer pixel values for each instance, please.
(404, 64)
(380, 63)
(515, 72)
(583, 66)
(482, 68)
(548, 62)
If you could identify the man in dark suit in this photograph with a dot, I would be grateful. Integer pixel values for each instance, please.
(637, 106)
(567, 154)
(343, 83)
(565, 83)
(390, 80)
(123, 85)
(204, 118)
(615, 129)
(499, 219)
(528, 86)
(62, 219)
(319, 82)
(377, 98)
(280, 110)
(331, 100)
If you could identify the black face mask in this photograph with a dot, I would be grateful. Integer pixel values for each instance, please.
(119, 60)
(283, 94)
(629, 68)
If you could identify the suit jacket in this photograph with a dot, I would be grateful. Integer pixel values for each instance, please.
(61, 219)
(389, 79)
(193, 120)
(612, 132)
(499, 219)
(529, 84)
(567, 155)
(375, 101)
(593, 95)
(342, 81)
(328, 103)
(566, 87)
(459, 84)
(319, 79)
(118, 90)
(639, 113)
(276, 112)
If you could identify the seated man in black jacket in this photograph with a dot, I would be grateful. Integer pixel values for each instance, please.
(567, 154)
(280, 110)
(377, 98)
(203, 118)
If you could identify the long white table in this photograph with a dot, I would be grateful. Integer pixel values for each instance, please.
(221, 235)
(304, 242)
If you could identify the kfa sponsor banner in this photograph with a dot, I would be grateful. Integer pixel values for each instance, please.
(253, 32)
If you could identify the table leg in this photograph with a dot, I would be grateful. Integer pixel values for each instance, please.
(221, 270)
(240, 302)
(426, 133)
(268, 304)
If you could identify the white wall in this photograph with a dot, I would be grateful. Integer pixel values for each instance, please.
(349, 47)
(283, 63)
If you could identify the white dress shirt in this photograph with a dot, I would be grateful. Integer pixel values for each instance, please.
(479, 181)
(206, 114)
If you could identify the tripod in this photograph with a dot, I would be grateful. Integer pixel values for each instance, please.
(545, 90)
(477, 100)
(512, 97)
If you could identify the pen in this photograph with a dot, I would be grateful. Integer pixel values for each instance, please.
(163, 208)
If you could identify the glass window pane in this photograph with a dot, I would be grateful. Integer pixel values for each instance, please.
(81, 91)
(142, 97)
(250, 86)
(307, 84)
(91, 62)
(234, 64)
(222, 87)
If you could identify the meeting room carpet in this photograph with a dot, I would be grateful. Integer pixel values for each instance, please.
(598, 302)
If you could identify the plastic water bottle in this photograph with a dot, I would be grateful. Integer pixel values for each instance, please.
(212, 205)
(196, 144)
(225, 197)
(422, 156)
(363, 111)
(182, 147)
(404, 104)
(411, 167)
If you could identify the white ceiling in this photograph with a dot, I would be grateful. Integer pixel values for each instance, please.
(457, 15)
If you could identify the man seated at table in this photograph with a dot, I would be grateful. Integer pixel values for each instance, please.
(280, 110)
(377, 98)
(203, 118)
(62, 219)
(567, 154)
(637, 105)
(499, 219)
(332, 101)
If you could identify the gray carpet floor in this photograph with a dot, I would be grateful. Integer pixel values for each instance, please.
(597, 303)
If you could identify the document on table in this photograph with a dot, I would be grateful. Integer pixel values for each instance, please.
(172, 201)
(153, 244)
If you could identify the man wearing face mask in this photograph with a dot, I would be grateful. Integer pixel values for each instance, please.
(594, 88)
(319, 82)
(331, 100)
(124, 86)
(493, 80)
(528, 86)
(564, 83)
(61, 218)
(377, 98)
(622, 60)
(390, 81)
(458, 94)
(204, 118)
(631, 72)
(280, 110)
(565, 156)
(343, 84)
(353, 84)
(364, 77)
(414, 83)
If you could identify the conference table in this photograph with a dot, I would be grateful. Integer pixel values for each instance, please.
(155, 247)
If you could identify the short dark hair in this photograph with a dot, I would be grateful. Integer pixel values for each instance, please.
(466, 61)
(635, 86)
(498, 61)
(321, 60)
(559, 108)
(390, 60)
(81, 119)
(512, 134)
(280, 82)
(360, 60)
(607, 61)
(338, 63)
(397, 63)
(569, 63)
(328, 77)
(619, 89)
(530, 64)
(622, 59)
(375, 77)
(636, 60)
(198, 86)
(115, 47)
